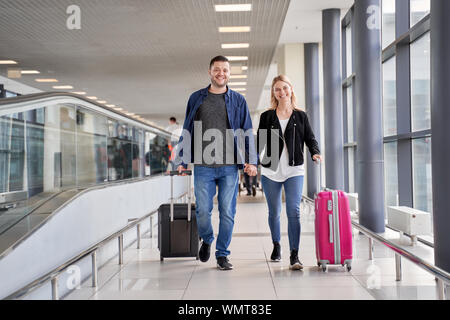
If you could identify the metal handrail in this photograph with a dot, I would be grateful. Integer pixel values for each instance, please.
(44, 95)
(442, 276)
(53, 274)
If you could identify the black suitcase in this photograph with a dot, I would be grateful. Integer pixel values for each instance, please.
(177, 226)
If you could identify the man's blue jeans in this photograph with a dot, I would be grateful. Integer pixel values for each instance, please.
(205, 182)
(293, 188)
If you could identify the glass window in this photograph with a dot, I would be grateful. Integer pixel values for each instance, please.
(92, 133)
(158, 156)
(390, 174)
(389, 98)
(422, 187)
(5, 134)
(419, 9)
(420, 84)
(388, 28)
(351, 170)
(35, 154)
(12, 154)
(348, 45)
(350, 116)
(119, 151)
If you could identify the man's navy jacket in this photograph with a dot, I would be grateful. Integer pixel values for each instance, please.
(239, 121)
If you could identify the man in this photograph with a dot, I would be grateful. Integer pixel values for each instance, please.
(214, 113)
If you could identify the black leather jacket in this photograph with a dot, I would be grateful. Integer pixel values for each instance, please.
(298, 132)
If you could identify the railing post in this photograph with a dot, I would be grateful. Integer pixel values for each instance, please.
(151, 227)
(121, 249)
(138, 231)
(94, 269)
(442, 289)
(370, 248)
(55, 295)
(398, 268)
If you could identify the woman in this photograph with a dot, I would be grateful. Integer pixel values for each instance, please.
(291, 125)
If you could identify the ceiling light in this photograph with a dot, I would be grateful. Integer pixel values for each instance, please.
(101, 101)
(111, 105)
(46, 80)
(236, 70)
(235, 45)
(14, 73)
(237, 83)
(234, 29)
(79, 92)
(63, 87)
(92, 98)
(244, 68)
(239, 89)
(233, 7)
(238, 76)
(118, 109)
(8, 62)
(237, 58)
(29, 72)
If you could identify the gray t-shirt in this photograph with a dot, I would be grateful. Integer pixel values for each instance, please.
(216, 152)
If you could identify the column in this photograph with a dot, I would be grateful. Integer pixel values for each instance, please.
(369, 115)
(333, 113)
(440, 115)
(312, 105)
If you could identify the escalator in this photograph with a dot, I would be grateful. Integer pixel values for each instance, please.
(55, 145)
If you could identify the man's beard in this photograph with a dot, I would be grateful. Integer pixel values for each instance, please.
(214, 82)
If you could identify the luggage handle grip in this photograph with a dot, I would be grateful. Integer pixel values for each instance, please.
(330, 220)
(183, 173)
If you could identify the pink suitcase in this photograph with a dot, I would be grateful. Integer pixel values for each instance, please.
(333, 229)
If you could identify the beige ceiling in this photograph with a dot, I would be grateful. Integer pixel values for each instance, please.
(144, 55)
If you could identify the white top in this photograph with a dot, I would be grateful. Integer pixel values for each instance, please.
(284, 171)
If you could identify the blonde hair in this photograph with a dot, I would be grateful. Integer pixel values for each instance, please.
(274, 101)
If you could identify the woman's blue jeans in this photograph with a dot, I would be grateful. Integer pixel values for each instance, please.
(205, 182)
(293, 188)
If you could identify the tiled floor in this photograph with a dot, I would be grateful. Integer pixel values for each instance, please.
(254, 277)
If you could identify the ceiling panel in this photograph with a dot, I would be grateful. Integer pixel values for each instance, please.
(146, 56)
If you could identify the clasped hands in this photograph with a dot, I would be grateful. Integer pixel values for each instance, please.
(250, 169)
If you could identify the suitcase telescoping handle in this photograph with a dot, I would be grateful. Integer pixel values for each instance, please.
(319, 176)
(329, 203)
(176, 173)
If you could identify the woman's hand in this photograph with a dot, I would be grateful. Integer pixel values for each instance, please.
(317, 157)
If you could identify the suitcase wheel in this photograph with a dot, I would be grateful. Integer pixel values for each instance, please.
(161, 258)
(324, 268)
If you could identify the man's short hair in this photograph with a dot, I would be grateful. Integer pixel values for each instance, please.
(218, 58)
(173, 119)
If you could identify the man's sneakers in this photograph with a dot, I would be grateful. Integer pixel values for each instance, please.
(276, 253)
(295, 263)
(204, 252)
(224, 264)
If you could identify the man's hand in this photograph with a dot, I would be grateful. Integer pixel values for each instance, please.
(250, 169)
(180, 169)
